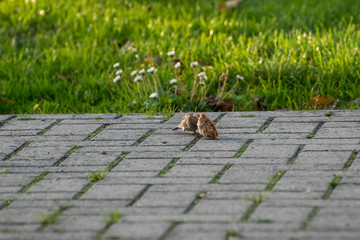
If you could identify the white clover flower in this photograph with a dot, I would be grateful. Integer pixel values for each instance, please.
(134, 102)
(153, 95)
(117, 78)
(202, 74)
(142, 71)
(116, 65)
(152, 70)
(194, 64)
(239, 77)
(171, 53)
(177, 65)
(118, 72)
(133, 73)
(172, 81)
(202, 83)
(137, 78)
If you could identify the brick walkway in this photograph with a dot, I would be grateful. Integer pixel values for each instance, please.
(270, 175)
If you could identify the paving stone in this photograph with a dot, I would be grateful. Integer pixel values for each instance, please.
(346, 192)
(19, 228)
(8, 147)
(241, 122)
(236, 175)
(19, 133)
(234, 195)
(70, 129)
(336, 218)
(333, 147)
(188, 218)
(338, 133)
(157, 139)
(11, 215)
(27, 125)
(302, 184)
(205, 154)
(221, 144)
(197, 236)
(78, 224)
(89, 159)
(193, 171)
(141, 164)
(45, 235)
(4, 118)
(221, 207)
(114, 135)
(45, 140)
(338, 158)
(274, 151)
(158, 199)
(41, 153)
(13, 180)
(290, 127)
(281, 214)
(103, 192)
(35, 196)
(84, 207)
(113, 178)
(59, 185)
(131, 231)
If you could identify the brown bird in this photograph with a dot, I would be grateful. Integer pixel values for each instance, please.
(206, 127)
(188, 123)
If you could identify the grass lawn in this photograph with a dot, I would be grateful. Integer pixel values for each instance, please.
(273, 54)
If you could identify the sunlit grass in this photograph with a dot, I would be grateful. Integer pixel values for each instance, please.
(286, 51)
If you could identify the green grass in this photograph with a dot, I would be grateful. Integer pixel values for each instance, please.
(35, 180)
(95, 176)
(329, 114)
(310, 135)
(233, 235)
(221, 173)
(256, 198)
(113, 217)
(58, 56)
(48, 218)
(4, 171)
(351, 159)
(310, 217)
(167, 168)
(243, 148)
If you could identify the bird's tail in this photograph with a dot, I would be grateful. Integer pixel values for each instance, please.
(175, 128)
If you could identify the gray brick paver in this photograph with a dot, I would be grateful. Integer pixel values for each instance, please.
(152, 204)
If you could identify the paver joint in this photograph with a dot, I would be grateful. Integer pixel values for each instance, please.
(269, 175)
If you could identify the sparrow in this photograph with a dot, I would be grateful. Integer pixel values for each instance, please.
(188, 123)
(206, 127)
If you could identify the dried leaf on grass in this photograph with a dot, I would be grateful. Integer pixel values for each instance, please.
(229, 4)
(321, 101)
(67, 78)
(260, 106)
(225, 105)
(7, 100)
(124, 43)
(152, 61)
